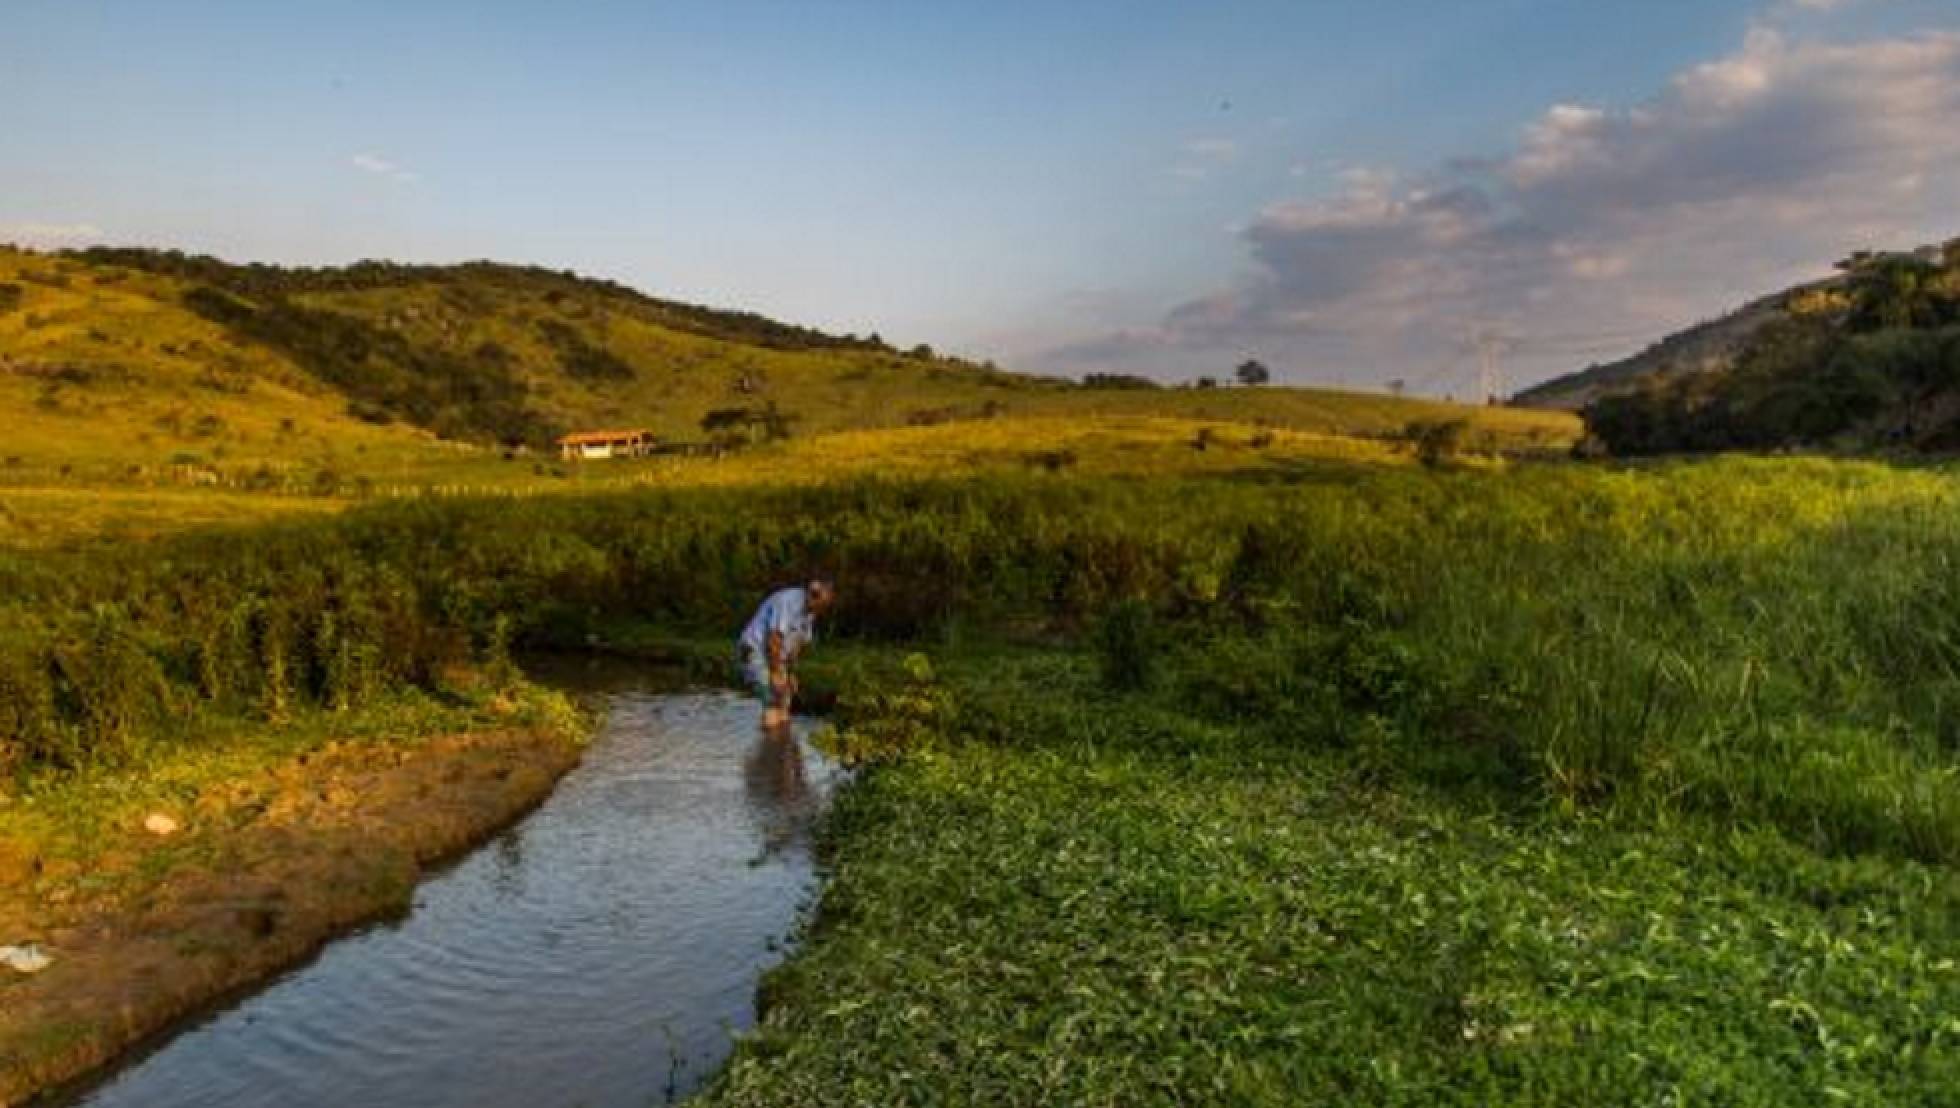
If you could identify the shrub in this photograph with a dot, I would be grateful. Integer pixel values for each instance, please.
(888, 714)
(1127, 645)
(368, 412)
(1053, 461)
(1439, 442)
(578, 355)
(1119, 381)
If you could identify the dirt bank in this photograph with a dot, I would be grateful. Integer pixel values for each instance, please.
(263, 870)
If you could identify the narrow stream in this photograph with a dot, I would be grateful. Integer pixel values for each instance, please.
(601, 953)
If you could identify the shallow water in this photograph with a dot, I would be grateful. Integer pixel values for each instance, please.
(600, 953)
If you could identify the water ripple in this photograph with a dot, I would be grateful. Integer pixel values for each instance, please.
(598, 954)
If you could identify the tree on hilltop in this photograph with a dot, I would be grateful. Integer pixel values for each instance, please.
(1252, 372)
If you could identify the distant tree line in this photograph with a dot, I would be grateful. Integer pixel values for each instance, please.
(260, 280)
(1249, 373)
(1118, 381)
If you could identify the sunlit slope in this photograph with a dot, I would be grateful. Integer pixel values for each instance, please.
(144, 359)
(590, 359)
(677, 376)
(103, 370)
(493, 353)
(1048, 448)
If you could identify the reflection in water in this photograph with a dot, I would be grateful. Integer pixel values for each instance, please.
(601, 953)
(778, 791)
(508, 876)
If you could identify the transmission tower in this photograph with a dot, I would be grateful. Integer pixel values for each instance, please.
(1490, 370)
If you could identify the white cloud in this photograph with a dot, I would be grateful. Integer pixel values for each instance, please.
(1212, 149)
(49, 234)
(1200, 157)
(1788, 12)
(1601, 227)
(382, 167)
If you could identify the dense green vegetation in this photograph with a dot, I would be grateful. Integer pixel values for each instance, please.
(1079, 897)
(1334, 780)
(1775, 642)
(1870, 360)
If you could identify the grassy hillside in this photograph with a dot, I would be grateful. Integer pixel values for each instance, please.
(104, 375)
(154, 368)
(498, 353)
(1868, 360)
(1704, 348)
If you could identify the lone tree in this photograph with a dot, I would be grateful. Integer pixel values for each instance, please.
(1253, 372)
(728, 428)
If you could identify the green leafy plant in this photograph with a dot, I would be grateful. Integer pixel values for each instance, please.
(889, 714)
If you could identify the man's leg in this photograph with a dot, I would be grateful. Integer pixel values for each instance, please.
(775, 702)
(754, 673)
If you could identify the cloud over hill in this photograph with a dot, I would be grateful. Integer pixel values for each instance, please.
(1600, 228)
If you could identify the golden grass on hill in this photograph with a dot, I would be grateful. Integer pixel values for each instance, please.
(45, 515)
(108, 382)
(104, 369)
(1137, 445)
(34, 518)
(101, 371)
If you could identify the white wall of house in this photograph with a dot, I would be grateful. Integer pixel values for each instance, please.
(618, 449)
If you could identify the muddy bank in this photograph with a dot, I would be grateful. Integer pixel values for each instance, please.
(602, 951)
(263, 871)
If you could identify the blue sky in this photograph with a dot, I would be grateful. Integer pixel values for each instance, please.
(1339, 188)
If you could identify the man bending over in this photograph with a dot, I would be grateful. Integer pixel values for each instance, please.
(775, 637)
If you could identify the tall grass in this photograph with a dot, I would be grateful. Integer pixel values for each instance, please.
(1778, 640)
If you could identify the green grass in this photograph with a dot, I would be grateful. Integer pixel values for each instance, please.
(1264, 764)
(1097, 899)
(1495, 783)
(37, 518)
(131, 500)
(68, 818)
(1772, 640)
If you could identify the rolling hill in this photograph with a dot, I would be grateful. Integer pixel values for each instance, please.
(1868, 359)
(1704, 348)
(120, 363)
